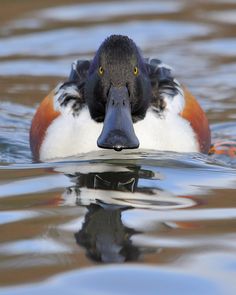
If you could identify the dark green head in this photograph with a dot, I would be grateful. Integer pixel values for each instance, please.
(118, 91)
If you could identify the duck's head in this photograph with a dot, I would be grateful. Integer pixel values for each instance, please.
(118, 92)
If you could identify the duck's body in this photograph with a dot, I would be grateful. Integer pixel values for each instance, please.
(104, 106)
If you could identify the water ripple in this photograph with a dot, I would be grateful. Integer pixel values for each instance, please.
(61, 42)
(108, 10)
(13, 216)
(143, 278)
(14, 146)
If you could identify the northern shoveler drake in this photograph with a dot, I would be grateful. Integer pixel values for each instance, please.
(119, 100)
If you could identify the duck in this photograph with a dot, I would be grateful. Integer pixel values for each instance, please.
(118, 100)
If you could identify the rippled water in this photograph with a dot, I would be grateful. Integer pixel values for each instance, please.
(117, 223)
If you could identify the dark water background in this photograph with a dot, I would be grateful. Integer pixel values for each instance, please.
(108, 223)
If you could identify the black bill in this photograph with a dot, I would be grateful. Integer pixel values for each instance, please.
(118, 131)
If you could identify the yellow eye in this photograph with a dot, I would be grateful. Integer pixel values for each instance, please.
(101, 70)
(135, 71)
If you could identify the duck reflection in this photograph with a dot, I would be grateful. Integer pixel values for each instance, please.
(131, 186)
(103, 234)
(126, 180)
(105, 237)
(106, 194)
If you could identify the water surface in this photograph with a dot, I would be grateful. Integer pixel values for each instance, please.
(116, 223)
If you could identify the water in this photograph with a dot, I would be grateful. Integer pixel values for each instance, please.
(116, 223)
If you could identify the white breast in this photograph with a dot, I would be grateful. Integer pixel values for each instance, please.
(168, 133)
(68, 135)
